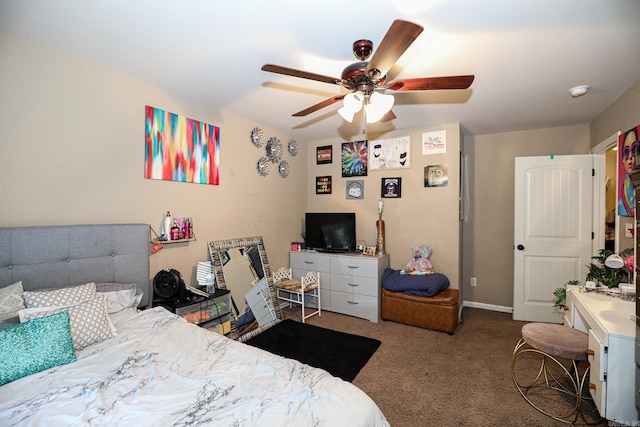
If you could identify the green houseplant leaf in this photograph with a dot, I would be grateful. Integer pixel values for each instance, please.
(603, 275)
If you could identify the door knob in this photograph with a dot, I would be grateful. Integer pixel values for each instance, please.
(520, 247)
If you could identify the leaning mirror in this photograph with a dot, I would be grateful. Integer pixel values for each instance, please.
(241, 266)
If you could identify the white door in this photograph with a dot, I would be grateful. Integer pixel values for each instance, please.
(553, 230)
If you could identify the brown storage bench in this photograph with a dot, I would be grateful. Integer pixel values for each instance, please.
(439, 312)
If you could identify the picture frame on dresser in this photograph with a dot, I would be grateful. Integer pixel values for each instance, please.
(370, 250)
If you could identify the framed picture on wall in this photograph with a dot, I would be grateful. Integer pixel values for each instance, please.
(436, 176)
(354, 157)
(324, 154)
(355, 189)
(323, 185)
(393, 153)
(391, 188)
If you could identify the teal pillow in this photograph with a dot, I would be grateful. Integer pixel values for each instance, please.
(34, 346)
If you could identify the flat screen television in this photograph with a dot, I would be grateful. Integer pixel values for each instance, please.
(330, 232)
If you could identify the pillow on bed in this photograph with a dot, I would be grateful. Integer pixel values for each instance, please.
(62, 297)
(89, 321)
(120, 295)
(34, 346)
(11, 300)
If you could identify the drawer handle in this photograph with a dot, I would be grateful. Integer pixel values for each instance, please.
(591, 352)
(352, 284)
(566, 308)
(309, 262)
(352, 266)
(592, 386)
(353, 302)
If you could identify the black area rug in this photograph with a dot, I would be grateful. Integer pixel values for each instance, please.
(342, 355)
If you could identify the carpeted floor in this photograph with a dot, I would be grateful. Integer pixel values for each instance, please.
(420, 377)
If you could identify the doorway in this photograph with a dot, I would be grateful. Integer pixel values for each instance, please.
(553, 229)
(612, 231)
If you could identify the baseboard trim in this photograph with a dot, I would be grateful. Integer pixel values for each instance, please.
(492, 307)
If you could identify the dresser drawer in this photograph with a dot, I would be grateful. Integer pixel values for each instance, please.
(598, 368)
(355, 266)
(356, 305)
(355, 284)
(310, 262)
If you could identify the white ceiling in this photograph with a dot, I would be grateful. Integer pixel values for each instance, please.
(525, 55)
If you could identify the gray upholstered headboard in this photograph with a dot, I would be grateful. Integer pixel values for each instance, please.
(54, 256)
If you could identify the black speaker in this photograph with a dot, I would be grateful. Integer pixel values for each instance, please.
(169, 285)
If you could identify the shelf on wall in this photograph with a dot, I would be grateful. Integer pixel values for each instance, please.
(167, 242)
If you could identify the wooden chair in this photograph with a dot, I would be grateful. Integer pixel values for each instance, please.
(296, 291)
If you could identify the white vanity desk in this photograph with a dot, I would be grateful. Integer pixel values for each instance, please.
(609, 322)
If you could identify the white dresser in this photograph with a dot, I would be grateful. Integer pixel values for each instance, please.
(610, 323)
(349, 284)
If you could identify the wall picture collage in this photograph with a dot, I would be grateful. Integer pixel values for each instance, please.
(357, 158)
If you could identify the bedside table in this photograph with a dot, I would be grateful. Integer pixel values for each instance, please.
(213, 313)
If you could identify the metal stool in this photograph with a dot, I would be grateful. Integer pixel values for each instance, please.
(550, 361)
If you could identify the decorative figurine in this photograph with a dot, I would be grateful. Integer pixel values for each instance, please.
(380, 229)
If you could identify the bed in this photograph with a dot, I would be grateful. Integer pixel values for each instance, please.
(156, 368)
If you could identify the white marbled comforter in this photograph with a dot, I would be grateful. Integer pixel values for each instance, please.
(162, 371)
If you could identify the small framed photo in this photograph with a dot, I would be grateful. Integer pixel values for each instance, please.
(324, 155)
(369, 250)
(391, 188)
(355, 189)
(323, 185)
(436, 176)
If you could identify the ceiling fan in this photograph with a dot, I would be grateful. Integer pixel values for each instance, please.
(366, 79)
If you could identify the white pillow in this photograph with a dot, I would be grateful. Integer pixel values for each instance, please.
(63, 297)
(119, 295)
(11, 300)
(89, 321)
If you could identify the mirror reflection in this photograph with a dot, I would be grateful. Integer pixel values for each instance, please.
(242, 267)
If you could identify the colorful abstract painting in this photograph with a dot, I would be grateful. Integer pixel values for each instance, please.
(354, 158)
(180, 149)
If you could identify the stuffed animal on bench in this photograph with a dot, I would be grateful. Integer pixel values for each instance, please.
(420, 263)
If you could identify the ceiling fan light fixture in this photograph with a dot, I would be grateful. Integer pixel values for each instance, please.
(351, 104)
(378, 105)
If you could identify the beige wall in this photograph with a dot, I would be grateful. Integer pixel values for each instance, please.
(488, 231)
(426, 216)
(621, 115)
(72, 151)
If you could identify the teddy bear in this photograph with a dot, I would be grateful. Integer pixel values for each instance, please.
(420, 263)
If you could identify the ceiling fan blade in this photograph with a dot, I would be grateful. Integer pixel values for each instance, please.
(388, 116)
(319, 105)
(430, 83)
(302, 74)
(399, 37)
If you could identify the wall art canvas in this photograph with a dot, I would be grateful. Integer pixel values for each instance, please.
(324, 155)
(180, 149)
(355, 189)
(391, 188)
(354, 158)
(434, 142)
(393, 153)
(323, 185)
(627, 161)
(436, 176)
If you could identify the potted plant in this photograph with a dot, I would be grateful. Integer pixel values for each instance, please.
(599, 273)
(560, 294)
(607, 276)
